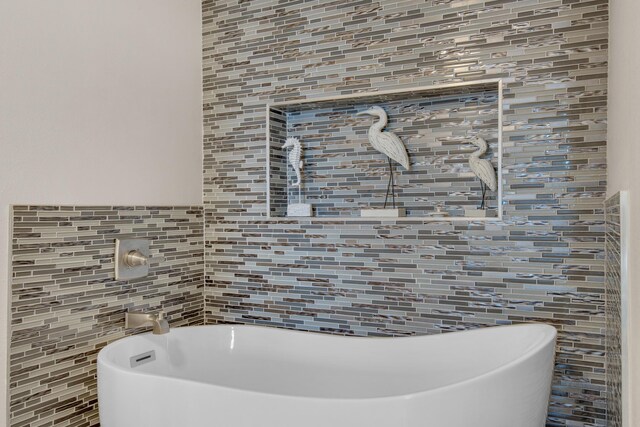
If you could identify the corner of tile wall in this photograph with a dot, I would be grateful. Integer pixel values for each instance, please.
(614, 276)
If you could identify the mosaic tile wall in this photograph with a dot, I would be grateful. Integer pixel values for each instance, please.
(343, 173)
(613, 312)
(543, 263)
(66, 304)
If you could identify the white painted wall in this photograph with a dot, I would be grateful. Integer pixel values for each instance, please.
(623, 152)
(100, 103)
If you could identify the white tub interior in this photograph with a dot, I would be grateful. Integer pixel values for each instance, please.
(274, 361)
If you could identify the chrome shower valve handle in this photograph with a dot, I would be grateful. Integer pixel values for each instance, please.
(135, 258)
(132, 258)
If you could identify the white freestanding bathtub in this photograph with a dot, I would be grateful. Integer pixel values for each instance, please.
(248, 376)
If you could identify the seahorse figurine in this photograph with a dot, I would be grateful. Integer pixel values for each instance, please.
(295, 158)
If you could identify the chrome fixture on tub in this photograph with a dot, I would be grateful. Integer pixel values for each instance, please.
(137, 319)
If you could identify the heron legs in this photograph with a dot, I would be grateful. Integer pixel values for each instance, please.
(386, 195)
(390, 185)
(483, 186)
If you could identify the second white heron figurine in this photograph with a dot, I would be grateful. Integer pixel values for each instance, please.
(483, 168)
(389, 144)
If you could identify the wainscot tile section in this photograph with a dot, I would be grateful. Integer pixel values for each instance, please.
(613, 310)
(543, 263)
(66, 304)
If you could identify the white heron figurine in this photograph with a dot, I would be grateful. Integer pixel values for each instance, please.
(483, 168)
(389, 144)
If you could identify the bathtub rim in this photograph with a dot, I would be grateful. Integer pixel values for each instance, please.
(548, 335)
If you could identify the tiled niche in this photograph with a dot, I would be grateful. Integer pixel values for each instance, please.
(344, 174)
